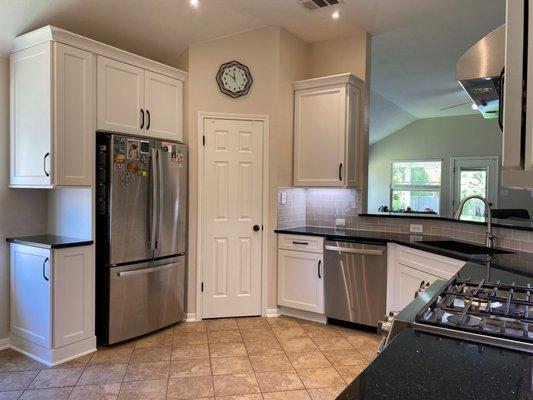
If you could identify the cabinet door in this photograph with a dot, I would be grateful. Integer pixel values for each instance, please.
(74, 126)
(164, 106)
(73, 282)
(319, 135)
(120, 97)
(408, 281)
(300, 283)
(31, 294)
(31, 123)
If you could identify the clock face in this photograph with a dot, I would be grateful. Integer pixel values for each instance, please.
(234, 79)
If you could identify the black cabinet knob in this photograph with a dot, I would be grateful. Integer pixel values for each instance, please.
(255, 228)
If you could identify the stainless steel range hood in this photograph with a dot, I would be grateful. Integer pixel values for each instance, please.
(479, 70)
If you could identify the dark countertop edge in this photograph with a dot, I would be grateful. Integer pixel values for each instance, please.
(446, 219)
(53, 242)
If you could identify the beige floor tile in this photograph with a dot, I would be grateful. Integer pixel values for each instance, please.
(147, 371)
(227, 385)
(11, 395)
(227, 350)
(144, 390)
(161, 339)
(46, 394)
(317, 333)
(271, 346)
(50, 378)
(309, 360)
(77, 362)
(191, 367)
(102, 374)
(320, 377)
(7, 353)
(278, 381)
(361, 340)
(231, 365)
(289, 332)
(291, 395)
(95, 392)
(298, 345)
(184, 338)
(257, 335)
(148, 354)
(326, 343)
(369, 354)
(252, 323)
(17, 380)
(256, 396)
(283, 322)
(224, 336)
(330, 393)
(270, 362)
(190, 351)
(190, 327)
(350, 372)
(18, 362)
(112, 356)
(196, 387)
(224, 324)
(345, 357)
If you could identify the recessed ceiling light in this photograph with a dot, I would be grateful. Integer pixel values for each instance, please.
(335, 15)
(195, 3)
(474, 107)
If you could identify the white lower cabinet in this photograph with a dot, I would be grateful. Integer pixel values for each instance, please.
(52, 302)
(300, 275)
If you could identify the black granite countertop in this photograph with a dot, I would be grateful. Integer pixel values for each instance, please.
(49, 241)
(417, 365)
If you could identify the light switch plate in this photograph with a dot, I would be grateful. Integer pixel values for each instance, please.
(416, 228)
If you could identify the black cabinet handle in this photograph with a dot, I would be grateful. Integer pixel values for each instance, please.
(500, 107)
(304, 243)
(319, 273)
(149, 119)
(44, 275)
(340, 172)
(44, 164)
(142, 118)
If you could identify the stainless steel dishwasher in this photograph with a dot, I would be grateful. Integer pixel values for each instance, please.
(355, 279)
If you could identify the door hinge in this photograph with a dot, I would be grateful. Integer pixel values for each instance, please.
(203, 140)
(202, 287)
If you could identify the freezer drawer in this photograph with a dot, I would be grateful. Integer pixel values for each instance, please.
(355, 282)
(145, 297)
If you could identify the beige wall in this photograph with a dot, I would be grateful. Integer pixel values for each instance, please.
(276, 58)
(22, 212)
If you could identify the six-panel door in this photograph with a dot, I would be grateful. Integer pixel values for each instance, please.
(31, 294)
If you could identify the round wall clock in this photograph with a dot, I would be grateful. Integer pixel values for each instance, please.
(234, 79)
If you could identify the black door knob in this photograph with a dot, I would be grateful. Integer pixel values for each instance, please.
(255, 228)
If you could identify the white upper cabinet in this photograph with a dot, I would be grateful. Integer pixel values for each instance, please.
(51, 116)
(120, 99)
(137, 101)
(328, 134)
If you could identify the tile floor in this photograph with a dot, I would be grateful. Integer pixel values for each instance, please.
(233, 359)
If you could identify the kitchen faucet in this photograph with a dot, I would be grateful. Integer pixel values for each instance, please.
(489, 236)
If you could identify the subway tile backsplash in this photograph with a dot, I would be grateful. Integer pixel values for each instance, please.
(321, 207)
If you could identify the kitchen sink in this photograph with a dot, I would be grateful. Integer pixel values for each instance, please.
(462, 247)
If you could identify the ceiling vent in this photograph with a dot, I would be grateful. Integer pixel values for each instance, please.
(316, 4)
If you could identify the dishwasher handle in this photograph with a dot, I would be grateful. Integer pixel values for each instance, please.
(363, 252)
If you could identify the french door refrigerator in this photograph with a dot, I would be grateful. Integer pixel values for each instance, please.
(141, 229)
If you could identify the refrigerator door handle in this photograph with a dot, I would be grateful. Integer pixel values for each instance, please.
(145, 270)
(160, 189)
(154, 183)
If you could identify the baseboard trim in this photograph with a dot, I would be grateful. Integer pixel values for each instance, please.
(189, 317)
(309, 316)
(272, 312)
(4, 344)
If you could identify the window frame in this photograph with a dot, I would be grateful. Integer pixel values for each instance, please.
(410, 188)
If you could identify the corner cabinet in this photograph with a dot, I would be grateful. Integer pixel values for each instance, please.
(329, 137)
(137, 101)
(300, 273)
(52, 302)
(52, 114)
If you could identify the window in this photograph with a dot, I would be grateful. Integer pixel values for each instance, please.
(416, 186)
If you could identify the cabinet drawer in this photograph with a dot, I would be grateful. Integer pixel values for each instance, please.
(427, 262)
(312, 244)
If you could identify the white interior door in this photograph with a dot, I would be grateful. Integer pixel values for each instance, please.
(232, 205)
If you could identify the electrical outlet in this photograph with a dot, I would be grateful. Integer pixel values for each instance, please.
(416, 228)
(340, 223)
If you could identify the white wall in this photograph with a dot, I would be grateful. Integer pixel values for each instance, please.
(22, 211)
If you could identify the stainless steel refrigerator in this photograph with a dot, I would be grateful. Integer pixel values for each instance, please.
(141, 227)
